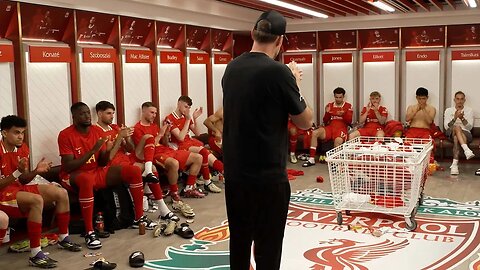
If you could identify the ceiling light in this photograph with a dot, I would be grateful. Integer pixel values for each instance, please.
(39, 39)
(89, 42)
(296, 8)
(471, 3)
(381, 5)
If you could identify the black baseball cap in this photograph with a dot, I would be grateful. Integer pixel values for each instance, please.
(278, 24)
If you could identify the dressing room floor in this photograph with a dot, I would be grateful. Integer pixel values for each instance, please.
(210, 212)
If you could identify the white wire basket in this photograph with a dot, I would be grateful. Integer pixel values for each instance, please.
(383, 175)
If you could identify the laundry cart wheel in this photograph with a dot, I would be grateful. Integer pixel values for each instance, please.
(410, 224)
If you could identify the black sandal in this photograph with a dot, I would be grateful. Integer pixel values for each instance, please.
(184, 231)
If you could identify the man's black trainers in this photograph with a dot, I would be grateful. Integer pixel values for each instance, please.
(149, 224)
(150, 178)
(308, 163)
(92, 241)
(170, 216)
(42, 261)
(69, 245)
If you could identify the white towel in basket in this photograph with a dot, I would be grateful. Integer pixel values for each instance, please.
(356, 198)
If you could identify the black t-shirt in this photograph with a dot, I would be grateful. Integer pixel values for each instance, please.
(258, 95)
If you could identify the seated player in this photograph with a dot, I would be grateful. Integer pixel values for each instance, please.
(214, 123)
(458, 122)
(373, 118)
(122, 142)
(420, 116)
(19, 200)
(182, 122)
(147, 138)
(338, 116)
(293, 133)
(84, 152)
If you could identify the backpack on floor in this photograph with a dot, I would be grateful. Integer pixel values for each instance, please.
(117, 207)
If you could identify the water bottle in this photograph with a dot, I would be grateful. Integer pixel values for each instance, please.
(99, 224)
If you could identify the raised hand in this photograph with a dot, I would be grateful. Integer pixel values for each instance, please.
(458, 113)
(43, 166)
(22, 164)
(298, 73)
(166, 126)
(187, 115)
(369, 106)
(327, 109)
(197, 112)
(99, 144)
(125, 132)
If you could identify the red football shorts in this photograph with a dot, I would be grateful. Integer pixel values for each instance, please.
(212, 142)
(418, 133)
(187, 143)
(8, 199)
(180, 155)
(333, 132)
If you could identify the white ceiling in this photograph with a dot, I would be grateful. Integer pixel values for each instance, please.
(215, 14)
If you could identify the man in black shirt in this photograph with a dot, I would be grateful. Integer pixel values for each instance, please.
(259, 96)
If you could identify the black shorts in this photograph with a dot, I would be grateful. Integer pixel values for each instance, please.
(468, 134)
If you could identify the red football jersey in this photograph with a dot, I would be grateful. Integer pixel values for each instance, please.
(72, 142)
(153, 130)
(177, 121)
(112, 131)
(334, 117)
(9, 160)
(372, 120)
(140, 130)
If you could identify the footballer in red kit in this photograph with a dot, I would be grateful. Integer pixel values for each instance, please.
(373, 118)
(182, 121)
(120, 136)
(171, 160)
(84, 154)
(17, 199)
(293, 133)
(337, 118)
(123, 142)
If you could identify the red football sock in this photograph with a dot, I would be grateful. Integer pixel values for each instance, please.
(191, 180)
(174, 188)
(205, 171)
(156, 190)
(133, 176)
(205, 153)
(63, 219)
(218, 166)
(313, 151)
(84, 183)
(149, 149)
(293, 144)
(34, 233)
